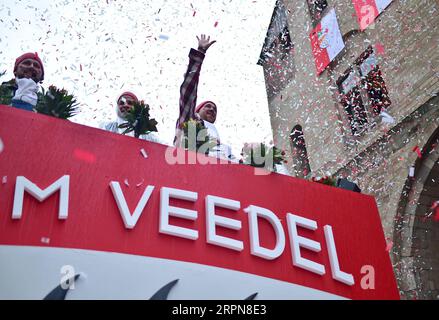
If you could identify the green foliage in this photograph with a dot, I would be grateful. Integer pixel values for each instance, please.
(329, 181)
(138, 120)
(6, 91)
(262, 156)
(56, 103)
(196, 138)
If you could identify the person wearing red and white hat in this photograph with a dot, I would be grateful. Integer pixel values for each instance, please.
(21, 92)
(206, 111)
(125, 102)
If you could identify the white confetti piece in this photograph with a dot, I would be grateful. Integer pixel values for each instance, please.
(143, 152)
(387, 118)
(45, 240)
(126, 182)
(412, 172)
(1, 145)
(4, 179)
(140, 183)
(163, 37)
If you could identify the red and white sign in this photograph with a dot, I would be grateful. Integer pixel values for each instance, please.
(81, 198)
(326, 41)
(368, 10)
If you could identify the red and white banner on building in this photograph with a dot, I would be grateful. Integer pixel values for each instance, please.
(326, 41)
(129, 217)
(368, 10)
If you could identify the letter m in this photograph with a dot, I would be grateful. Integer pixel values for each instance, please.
(22, 184)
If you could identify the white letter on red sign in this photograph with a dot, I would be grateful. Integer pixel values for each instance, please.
(297, 241)
(22, 184)
(254, 212)
(213, 220)
(129, 219)
(337, 274)
(166, 210)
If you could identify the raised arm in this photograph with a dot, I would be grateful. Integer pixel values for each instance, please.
(188, 90)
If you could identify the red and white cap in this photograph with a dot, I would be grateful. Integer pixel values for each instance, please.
(29, 55)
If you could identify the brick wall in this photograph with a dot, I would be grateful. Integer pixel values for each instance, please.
(378, 161)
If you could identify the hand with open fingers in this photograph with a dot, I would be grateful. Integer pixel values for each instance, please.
(204, 43)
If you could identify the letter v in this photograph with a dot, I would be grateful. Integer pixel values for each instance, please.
(129, 219)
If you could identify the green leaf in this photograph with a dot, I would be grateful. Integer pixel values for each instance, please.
(57, 103)
(138, 120)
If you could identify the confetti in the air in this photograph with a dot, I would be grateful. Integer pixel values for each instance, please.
(1, 146)
(45, 240)
(418, 151)
(412, 172)
(387, 118)
(389, 244)
(143, 152)
(164, 37)
(379, 48)
(126, 182)
(4, 179)
(140, 183)
(435, 208)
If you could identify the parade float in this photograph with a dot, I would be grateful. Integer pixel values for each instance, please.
(88, 214)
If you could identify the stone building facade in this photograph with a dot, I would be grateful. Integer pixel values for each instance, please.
(333, 123)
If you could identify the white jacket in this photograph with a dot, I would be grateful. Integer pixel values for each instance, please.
(27, 91)
(113, 126)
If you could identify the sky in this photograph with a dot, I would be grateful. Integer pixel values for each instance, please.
(98, 49)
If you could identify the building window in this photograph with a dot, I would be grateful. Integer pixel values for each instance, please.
(373, 82)
(277, 53)
(352, 102)
(300, 156)
(363, 92)
(316, 8)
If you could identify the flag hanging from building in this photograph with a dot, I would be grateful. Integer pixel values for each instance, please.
(368, 10)
(326, 41)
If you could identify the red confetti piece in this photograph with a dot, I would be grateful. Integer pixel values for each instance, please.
(216, 23)
(389, 245)
(418, 151)
(379, 48)
(84, 156)
(435, 208)
(195, 12)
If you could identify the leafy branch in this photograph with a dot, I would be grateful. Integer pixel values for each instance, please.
(138, 120)
(56, 103)
(260, 156)
(196, 138)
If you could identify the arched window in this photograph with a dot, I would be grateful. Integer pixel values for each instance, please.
(300, 155)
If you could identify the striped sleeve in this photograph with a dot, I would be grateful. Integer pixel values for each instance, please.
(188, 90)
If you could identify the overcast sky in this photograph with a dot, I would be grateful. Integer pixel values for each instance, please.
(97, 49)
